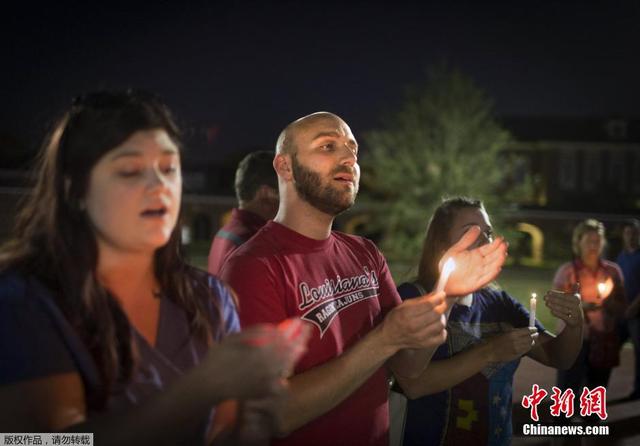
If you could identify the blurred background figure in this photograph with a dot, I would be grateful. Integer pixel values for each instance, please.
(601, 286)
(256, 186)
(629, 262)
(465, 395)
(104, 327)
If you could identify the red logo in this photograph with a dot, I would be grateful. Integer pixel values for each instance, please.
(562, 402)
(592, 402)
(532, 401)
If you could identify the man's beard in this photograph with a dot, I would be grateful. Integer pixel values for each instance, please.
(325, 198)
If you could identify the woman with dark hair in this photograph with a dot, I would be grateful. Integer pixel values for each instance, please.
(465, 395)
(104, 327)
(603, 301)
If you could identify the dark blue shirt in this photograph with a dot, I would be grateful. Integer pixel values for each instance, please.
(630, 265)
(36, 341)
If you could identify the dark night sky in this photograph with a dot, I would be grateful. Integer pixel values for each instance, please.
(251, 67)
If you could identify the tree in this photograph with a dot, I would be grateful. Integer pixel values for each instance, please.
(443, 141)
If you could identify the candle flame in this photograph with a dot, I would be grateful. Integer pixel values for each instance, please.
(605, 288)
(534, 295)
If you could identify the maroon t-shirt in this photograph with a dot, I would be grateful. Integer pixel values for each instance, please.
(240, 228)
(343, 287)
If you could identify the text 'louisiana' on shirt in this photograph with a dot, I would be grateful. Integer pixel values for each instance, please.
(332, 287)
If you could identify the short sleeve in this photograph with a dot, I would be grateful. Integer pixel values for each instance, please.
(31, 345)
(255, 285)
(389, 297)
(227, 305)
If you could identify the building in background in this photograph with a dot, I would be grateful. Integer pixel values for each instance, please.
(581, 167)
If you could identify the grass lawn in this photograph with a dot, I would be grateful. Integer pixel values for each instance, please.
(520, 282)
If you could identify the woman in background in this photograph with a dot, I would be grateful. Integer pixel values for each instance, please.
(104, 327)
(603, 301)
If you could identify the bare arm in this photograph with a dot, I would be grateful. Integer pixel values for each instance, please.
(561, 351)
(446, 373)
(414, 324)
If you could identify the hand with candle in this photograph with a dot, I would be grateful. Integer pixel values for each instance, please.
(565, 306)
(416, 323)
(474, 268)
(511, 345)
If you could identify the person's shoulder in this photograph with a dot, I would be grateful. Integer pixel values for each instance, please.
(201, 277)
(493, 295)
(218, 290)
(259, 254)
(355, 241)
(260, 244)
(491, 292)
(23, 297)
(351, 238)
(612, 267)
(563, 268)
(13, 287)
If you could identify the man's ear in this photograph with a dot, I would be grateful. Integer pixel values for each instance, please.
(282, 165)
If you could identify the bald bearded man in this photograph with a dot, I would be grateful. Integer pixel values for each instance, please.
(297, 266)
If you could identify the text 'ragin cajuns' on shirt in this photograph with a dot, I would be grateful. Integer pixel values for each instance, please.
(334, 296)
(341, 285)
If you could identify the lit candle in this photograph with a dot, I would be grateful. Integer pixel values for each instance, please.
(602, 288)
(532, 310)
(447, 269)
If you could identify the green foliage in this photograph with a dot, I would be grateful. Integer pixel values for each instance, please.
(443, 141)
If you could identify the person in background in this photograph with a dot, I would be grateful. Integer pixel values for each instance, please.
(256, 186)
(104, 327)
(296, 266)
(465, 395)
(629, 262)
(601, 287)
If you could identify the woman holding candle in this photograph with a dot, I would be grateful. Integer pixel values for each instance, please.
(465, 394)
(603, 301)
(104, 327)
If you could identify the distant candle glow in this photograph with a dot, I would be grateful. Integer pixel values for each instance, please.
(447, 269)
(602, 289)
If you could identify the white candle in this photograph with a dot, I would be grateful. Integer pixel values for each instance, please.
(447, 269)
(532, 310)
